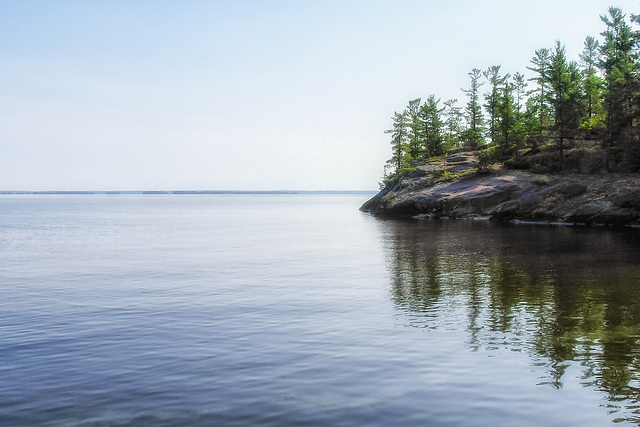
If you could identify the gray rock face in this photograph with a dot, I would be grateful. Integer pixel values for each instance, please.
(509, 195)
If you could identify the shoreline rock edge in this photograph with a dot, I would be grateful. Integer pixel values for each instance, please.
(510, 195)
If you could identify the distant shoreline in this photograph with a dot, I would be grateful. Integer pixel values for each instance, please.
(65, 192)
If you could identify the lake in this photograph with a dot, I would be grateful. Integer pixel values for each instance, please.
(238, 310)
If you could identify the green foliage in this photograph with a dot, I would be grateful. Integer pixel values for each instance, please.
(472, 138)
(593, 125)
(622, 89)
(593, 121)
(493, 98)
(489, 156)
(566, 96)
(432, 127)
(473, 135)
(395, 175)
(434, 159)
(414, 126)
(449, 176)
(539, 99)
(401, 157)
(453, 125)
(506, 118)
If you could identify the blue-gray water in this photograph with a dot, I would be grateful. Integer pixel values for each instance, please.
(301, 310)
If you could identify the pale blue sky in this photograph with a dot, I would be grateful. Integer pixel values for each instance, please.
(144, 95)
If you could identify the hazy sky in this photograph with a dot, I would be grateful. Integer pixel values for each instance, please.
(262, 94)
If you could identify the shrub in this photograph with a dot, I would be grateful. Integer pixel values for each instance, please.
(488, 156)
(395, 176)
(449, 176)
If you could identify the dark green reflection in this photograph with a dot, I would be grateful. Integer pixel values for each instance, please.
(559, 293)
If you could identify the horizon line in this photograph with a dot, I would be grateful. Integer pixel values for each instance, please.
(79, 192)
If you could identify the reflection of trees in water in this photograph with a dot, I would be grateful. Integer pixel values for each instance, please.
(561, 294)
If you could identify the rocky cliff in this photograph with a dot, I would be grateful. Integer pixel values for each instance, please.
(453, 188)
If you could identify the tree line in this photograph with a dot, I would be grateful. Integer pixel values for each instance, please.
(596, 99)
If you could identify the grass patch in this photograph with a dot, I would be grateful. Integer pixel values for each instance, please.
(450, 176)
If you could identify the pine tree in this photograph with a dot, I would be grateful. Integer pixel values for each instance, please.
(519, 87)
(519, 131)
(492, 74)
(453, 124)
(565, 82)
(400, 157)
(530, 120)
(414, 127)
(473, 134)
(432, 127)
(539, 97)
(593, 120)
(505, 119)
(620, 67)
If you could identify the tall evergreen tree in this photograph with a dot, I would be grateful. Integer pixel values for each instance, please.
(519, 87)
(432, 126)
(496, 81)
(520, 130)
(590, 56)
(530, 120)
(473, 134)
(453, 123)
(400, 157)
(593, 119)
(539, 97)
(414, 127)
(565, 81)
(620, 67)
(505, 113)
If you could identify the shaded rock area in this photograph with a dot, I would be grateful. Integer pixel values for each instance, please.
(452, 188)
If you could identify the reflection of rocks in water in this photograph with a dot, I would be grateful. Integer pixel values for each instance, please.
(560, 294)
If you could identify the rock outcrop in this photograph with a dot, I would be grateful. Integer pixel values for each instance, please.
(452, 188)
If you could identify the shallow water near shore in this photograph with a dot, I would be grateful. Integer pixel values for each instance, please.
(301, 310)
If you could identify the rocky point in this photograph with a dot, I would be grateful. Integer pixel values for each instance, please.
(454, 187)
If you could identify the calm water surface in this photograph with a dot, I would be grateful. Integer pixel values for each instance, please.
(301, 310)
